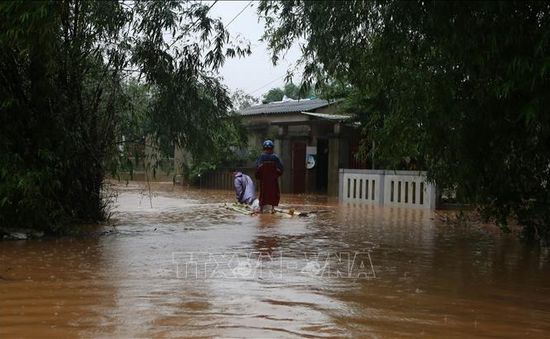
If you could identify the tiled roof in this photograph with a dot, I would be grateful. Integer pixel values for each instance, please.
(287, 106)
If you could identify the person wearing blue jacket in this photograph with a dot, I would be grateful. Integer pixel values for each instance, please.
(268, 170)
(268, 156)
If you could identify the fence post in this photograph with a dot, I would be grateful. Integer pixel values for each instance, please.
(381, 190)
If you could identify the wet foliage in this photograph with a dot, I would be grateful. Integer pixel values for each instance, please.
(458, 88)
(77, 76)
(289, 90)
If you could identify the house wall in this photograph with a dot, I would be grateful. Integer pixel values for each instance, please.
(338, 137)
(265, 126)
(276, 127)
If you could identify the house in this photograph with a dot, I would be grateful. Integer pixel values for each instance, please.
(312, 140)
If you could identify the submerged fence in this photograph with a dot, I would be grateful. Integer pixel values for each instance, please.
(388, 188)
(222, 178)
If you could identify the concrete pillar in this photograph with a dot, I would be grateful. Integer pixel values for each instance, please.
(278, 144)
(333, 159)
(283, 148)
(341, 172)
(311, 174)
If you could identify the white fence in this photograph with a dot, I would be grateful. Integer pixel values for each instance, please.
(362, 186)
(388, 188)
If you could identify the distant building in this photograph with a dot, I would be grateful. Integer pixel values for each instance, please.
(312, 140)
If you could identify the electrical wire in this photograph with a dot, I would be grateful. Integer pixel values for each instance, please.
(267, 84)
(241, 12)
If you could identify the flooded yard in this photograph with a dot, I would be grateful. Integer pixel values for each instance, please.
(181, 264)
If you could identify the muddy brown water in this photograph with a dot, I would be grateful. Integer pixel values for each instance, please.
(182, 265)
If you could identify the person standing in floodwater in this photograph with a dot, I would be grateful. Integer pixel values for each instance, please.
(268, 170)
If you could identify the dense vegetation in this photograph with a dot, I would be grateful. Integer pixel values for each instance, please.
(78, 79)
(290, 90)
(460, 88)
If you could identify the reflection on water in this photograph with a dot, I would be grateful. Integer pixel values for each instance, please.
(268, 275)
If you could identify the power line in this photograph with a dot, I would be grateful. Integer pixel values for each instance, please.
(229, 23)
(209, 8)
(242, 10)
(267, 84)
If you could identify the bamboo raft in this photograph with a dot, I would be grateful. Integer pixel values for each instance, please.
(247, 210)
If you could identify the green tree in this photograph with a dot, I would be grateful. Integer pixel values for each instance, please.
(66, 97)
(290, 91)
(274, 94)
(459, 86)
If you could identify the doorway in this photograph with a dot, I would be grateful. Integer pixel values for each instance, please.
(298, 167)
(321, 165)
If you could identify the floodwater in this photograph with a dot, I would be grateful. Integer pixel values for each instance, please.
(180, 265)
